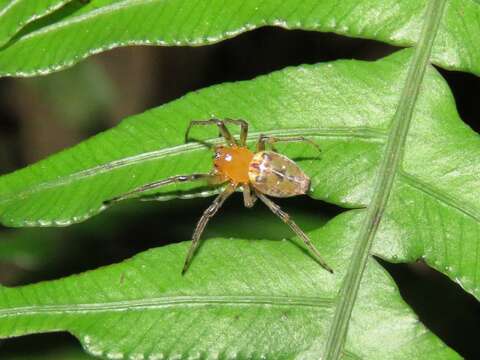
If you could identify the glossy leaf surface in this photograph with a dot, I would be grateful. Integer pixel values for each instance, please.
(246, 299)
(15, 14)
(76, 32)
(433, 213)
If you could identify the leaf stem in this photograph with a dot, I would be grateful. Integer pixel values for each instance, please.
(389, 166)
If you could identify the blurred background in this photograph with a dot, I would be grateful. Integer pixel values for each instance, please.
(40, 116)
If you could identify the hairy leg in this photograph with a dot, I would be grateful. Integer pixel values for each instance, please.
(263, 140)
(249, 197)
(286, 219)
(157, 184)
(207, 215)
(243, 129)
(219, 123)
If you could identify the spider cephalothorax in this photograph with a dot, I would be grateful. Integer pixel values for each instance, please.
(260, 173)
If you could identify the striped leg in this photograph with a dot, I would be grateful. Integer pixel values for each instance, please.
(263, 140)
(160, 183)
(286, 219)
(221, 126)
(202, 223)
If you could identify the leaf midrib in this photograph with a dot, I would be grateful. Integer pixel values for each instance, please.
(366, 133)
(388, 169)
(171, 301)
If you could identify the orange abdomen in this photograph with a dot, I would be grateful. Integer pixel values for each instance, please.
(233, 163)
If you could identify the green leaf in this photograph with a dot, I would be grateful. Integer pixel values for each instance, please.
(72, 185)
(15, 14)
(390, 166)
(77, 32)
(245, 299)
(346, 106)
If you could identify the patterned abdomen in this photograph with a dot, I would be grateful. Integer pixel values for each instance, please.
(276, 175)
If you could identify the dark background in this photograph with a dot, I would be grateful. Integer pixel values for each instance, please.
(40, 116)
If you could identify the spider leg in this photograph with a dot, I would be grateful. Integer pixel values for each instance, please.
(221, 126)
(249, 197)
(207, 215)
(243, 129)
(157, 184)
(263, 140)
(286, 219)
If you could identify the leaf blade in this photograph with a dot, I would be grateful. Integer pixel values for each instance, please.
(102, 167)
(387, 171)
(101, 26)
(15, 14)
(245, 305)
(433, 139)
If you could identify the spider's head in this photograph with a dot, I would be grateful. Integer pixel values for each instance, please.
(233, 162)
(221, 153)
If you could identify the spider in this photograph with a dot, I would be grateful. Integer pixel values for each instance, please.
(258, 174)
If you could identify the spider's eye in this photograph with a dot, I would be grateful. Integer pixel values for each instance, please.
(216, 155)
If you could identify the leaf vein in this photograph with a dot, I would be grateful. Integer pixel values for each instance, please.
(367, 134)
(439, 195)
(170, 301)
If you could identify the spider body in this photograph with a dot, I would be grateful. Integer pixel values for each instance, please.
(260, 173)
(233, 163)
(276, 175)
(268, 172)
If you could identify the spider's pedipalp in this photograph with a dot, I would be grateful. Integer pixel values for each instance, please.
(206, 216)
(296, 229)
